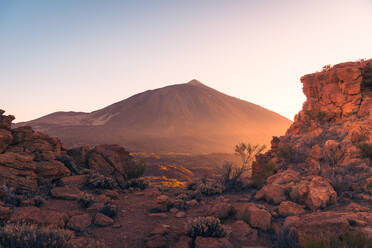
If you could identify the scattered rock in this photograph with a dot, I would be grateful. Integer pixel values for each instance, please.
(103, 220)
(66, 193)
(242, 232)
(222, 210)
(79, 223)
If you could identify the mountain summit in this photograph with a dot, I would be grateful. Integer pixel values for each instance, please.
(190, 118)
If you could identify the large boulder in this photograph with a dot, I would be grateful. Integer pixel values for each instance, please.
(6, 139)
(242, 232)
(320, 194)
(222, 210)
(288, 208)
(273, 193)
(258, 216)
(80, 222)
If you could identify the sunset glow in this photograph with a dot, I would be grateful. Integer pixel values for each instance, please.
(71, 55)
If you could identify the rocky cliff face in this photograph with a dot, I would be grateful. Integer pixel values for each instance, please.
(324, 160)
(30, 160)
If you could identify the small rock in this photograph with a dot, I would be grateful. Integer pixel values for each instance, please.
(79, 222)
(102, 220)
(222, 210)
(181, 214)
(66, 193)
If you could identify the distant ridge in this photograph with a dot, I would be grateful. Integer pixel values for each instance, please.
(190, 118)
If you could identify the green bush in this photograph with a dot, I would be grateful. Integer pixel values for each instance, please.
(137, 183)
(111, 210)
(261, 172)
(287, 152)
(245, 216)
(32, 236)
(316, 115)
(134, 169)
(352, 239)
(205, 227)
(287, 238)
(366, 150)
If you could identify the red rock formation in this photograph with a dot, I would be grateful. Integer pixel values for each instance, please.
(319, 163)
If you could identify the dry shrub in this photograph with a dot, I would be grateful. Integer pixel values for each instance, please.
(210, 187)
(134, 169)
(136, 183)
(205, 227)
(99, 181)
(23, 235)
(352, 239)
(261, 172)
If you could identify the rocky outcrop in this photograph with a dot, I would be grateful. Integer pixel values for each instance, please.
(30, 159)
(27, 158)
(320, 163)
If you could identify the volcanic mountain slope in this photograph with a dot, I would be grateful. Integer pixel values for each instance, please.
(190, 118)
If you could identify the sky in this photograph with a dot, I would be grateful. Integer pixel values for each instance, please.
(82, 55)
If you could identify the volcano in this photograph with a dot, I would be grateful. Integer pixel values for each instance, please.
(182, 118)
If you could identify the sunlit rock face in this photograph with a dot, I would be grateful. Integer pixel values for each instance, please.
(342, 93)
(320, 162)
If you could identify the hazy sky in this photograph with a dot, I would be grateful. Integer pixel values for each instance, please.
(84, 55)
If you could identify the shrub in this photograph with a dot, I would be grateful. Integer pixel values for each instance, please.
(352, 239)
(96, 180)
(32, 236)
(316, 115)
(8, 196)
(134, 169)
(86, 200)
(245, 216)
(231, 176)
(111, 210)
(287, 238)
(210, 187)
(366, 150)
(287, 152)
(205, 227)
(261, 172)
(137, 183)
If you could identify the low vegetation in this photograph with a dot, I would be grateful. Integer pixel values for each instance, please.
(245, 216)
(261, 172)
(287, 152)
(137, 183)
(134, 169)
(98, 181)
(205, 227)
(287, 238)
(111, 210)
(352, 239)
(232, 174)
(210, 187)
(32, 236)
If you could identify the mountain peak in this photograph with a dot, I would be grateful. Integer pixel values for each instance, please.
(195, 83)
